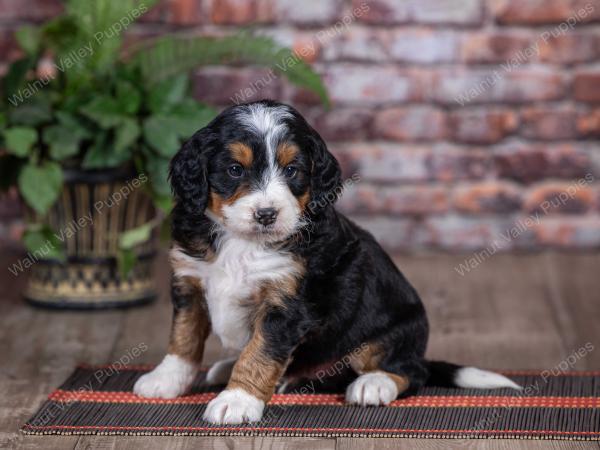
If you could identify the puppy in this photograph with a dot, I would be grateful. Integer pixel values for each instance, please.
(261, 258)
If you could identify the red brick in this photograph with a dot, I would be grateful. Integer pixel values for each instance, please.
(586, 86)
(36, 10)
(374, 85)
(341, 124)
(535, 162)
(548, 123)
(223, 86)
(572, 232)
(482, 126)
(357, 44)
(493, 47)
(448, 163)
(575, 197)
(365, 199)
(487, 197)
(384, 162)
(588, 123)
(423, 46)
(304, 44)
(310, 12)
(382, 11)
(412, 123)
(536, 12)
(569, 48)
(463, 12)
(239, 12)
(464, 87)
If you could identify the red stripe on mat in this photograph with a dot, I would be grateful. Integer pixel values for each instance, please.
(148, 367)
(338, 400)
(258, 428)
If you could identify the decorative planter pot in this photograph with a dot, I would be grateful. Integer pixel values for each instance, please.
(91, 212)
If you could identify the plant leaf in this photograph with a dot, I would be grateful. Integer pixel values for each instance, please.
(28, 38)
(189, 116)
(43, 242)
(160, 135)
(135, 236)
(167, 93)
(104, 110)
(20, 140)
(35, 111)
(128, 97)
(103, 155)
(40, 185)
(125, 261)
(62, 141)
(14, 79)
(158, 170)
(126, 134)
(172, 55)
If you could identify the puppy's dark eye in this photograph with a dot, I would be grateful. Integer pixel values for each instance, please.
(235, 171)
(290, 171)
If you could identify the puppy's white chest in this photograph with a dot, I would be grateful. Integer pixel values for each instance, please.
(232, 278)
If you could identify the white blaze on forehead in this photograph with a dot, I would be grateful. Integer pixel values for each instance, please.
(267, 122)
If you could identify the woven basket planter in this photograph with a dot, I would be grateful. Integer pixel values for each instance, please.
(93, 209)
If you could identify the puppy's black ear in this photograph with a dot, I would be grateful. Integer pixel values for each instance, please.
(188, 176)
(326, 176)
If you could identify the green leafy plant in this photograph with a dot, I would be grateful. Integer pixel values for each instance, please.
(78, 98)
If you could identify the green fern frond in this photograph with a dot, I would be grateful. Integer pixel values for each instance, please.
(173, 55)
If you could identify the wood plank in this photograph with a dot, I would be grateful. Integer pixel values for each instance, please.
(439, 444)
(496, 316)
(43, 347)
(575, 287)
(196, 442)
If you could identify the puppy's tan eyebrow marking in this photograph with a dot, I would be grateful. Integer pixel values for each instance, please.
(286, 152)
(242, 153)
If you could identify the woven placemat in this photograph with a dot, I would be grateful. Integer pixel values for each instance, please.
(99, 400)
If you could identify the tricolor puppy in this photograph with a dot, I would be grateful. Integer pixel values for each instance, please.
(262, 258)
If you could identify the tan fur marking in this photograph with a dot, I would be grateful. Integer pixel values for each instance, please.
(216, 202)
(286, 153)
(367, 360)
(303, 200)
(191, 325)
(274, 292)
(254, 371)
(242, 154)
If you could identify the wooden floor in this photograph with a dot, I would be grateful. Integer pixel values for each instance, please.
(512, 312)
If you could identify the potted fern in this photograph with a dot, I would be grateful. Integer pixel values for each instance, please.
(87, 129)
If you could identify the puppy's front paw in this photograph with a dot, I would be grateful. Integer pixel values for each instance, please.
(170, 379)
(220, 372)
(234, 406)
(374, 388)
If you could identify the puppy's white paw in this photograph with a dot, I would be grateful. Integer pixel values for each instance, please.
(170, 379)
(220, 371)
(234, 406)
(374, 388)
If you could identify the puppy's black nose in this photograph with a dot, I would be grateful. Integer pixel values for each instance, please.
(265, 216)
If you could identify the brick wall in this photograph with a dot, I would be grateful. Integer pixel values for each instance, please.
(472, 123)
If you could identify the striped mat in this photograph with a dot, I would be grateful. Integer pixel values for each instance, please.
(98, 400)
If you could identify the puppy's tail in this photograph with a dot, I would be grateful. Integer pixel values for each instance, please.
(445, 374)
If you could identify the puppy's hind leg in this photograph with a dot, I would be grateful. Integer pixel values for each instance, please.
(220, 372)
(191, 326)
(382, 379)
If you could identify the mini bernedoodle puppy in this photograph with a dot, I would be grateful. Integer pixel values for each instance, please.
(262, 258)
